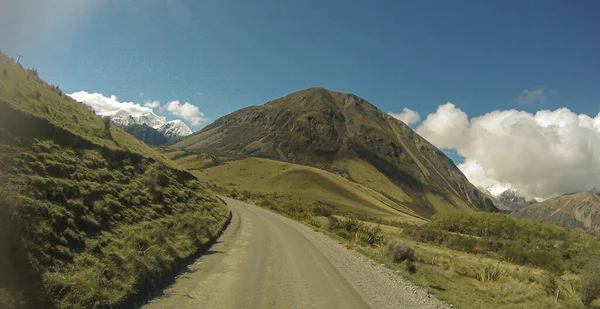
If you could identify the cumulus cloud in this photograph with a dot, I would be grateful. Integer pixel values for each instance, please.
(533, 96)
(407, 116)
(446, 128)
(542, 154)
(152, 104)
(187, 111)
(107, 105)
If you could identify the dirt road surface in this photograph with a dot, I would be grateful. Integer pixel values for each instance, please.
(264, 260)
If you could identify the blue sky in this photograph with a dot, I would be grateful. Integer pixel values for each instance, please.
(479, 55)
(224, 55)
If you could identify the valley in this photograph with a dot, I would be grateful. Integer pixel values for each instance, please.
(325, 201)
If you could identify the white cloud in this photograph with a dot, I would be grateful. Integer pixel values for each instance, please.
(107, 105)
(533, 96)
(187, 111)
(407, 116)
(446, 128)
(153, 104)
(541, 154)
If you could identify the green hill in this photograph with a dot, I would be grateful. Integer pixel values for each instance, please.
(89, 216)
(346, 135)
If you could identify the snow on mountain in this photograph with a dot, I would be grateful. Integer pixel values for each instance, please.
(174, 130)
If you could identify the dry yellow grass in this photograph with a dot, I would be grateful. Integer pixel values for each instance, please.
(301, 184)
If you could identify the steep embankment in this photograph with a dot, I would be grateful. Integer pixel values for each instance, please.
(88, 215)
(346, 135)
(580, 210)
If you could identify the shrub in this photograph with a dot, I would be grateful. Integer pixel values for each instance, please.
(4, 72)
(369, 235)
(321, 210)
(549, 283)
(334, 223)
(410, 266)
(32, 72)
(589, 286)
(400, 252)
(37, 95)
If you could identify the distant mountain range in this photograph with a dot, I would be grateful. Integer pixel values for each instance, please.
(577, 210)
(147, 127)
(510, 200)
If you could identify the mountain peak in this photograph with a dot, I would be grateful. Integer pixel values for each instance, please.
(330, 129)
(171, 130)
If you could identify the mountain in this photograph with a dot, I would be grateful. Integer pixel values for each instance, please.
(89, 216)
(148, 135)
(174, 130)
(511, 200)
(171, 130)
(125, 118)
(578, 210)
(346, 135)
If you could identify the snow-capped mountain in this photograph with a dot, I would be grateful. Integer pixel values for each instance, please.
(171, 130)
(125, 118)
(174, 130)
(510, 200)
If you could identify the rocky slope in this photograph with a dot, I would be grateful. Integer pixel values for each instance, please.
(149, 135)
(341, 132)
(578, 210)
(510, 201)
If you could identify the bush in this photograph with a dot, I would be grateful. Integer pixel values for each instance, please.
(410, 266)
(400, 252)
(321, 210)
(589, 286)
(549, 283)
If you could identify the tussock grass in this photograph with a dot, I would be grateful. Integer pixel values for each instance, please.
(89, 216)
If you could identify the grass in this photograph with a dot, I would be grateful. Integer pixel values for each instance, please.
(289, 183)
(89, 216)
(471, 281)
(462, 278)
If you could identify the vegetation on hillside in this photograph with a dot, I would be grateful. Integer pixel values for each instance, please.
(89, 216)
(346, 135)
(523, 242)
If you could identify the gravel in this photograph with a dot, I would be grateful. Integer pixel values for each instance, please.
(378, 285)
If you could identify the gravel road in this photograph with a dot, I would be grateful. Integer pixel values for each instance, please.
(264, 260)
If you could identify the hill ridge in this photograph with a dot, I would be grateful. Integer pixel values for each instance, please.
(324, 129)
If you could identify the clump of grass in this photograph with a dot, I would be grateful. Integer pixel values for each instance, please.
(550, 284)
(489, 273)
(400, 252)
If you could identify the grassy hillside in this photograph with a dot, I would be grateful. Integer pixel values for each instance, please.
(346, 135)
(89, 216)
(580, 210)
(483, 260)
(303, 186)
